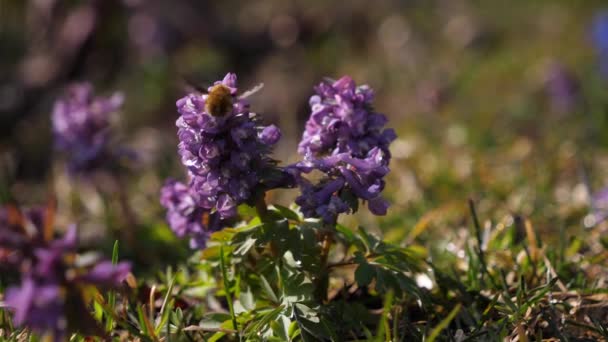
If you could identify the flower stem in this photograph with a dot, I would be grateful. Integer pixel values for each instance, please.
(262, 209)
(322, 282)
(227, 291)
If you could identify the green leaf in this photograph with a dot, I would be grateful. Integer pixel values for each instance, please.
(443, 324)
(247, 300)
(211, 253)
(349, 235)
(268, 289)
(293, 331)
(98, 311)
(245, 210)
(296, 288)
(111, 294)
(280, 327)
(264, 319)
(311, 323)
(245, 246)
(287, 213)
(364, 274)
(216, 337)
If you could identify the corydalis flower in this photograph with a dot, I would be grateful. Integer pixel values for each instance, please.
(322, 200)
(346, 140)
(347, 179)
(185, 217)
(342, 120)
(81, 126)
(51, 277)
(223, 146)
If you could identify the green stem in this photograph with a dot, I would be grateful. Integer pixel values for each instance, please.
(262, 209)
(227, 291)
(326, 237)
(111, 294)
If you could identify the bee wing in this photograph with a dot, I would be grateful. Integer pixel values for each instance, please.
(252, 91)
(192, 86)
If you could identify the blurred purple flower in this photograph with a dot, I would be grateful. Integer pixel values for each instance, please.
(342, 120)
(21, 232)
(39, 307)
(562, 88)
(599, 35)
(225, 150)
(185, 217)
(599, 206)
(48, 271)
(81, 126)
(107, 275)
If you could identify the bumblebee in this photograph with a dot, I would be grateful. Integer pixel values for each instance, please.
(219, 100)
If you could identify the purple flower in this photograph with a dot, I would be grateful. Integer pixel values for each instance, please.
(185, 217)
(342, 121)
(599, 35)
(270, 135)
(378, 206)
(599, 206)
(81, 126)
(21, 232)
(345, 176)
(562, 88)
(225, 150)
(39, 307)
(106, 275)
(322, 200)
(346, 140)
(50, 278)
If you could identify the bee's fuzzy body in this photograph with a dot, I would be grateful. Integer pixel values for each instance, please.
(219, 100)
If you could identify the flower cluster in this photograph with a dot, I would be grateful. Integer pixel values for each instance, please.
(185, 217)
(51, 275)
(81, 126)
(346, 140)
(225, 149)
(342, 120)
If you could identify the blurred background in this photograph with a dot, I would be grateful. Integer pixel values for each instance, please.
(501, 101)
